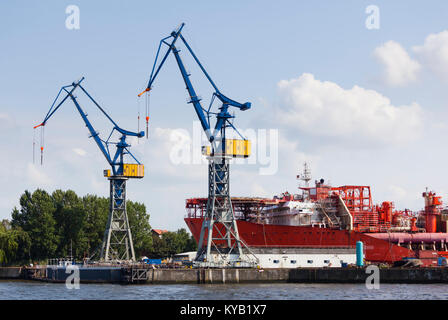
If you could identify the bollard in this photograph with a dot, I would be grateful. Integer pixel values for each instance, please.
(359, 254)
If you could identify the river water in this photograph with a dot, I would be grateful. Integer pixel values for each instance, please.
(18, 290)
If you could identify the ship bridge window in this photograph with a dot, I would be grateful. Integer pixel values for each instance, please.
(310, 261)
(326, 261)
(293, 261)
(276, 261)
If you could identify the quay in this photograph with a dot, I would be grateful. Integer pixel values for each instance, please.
(139, 275)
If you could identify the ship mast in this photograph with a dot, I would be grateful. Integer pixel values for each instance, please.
(306, 177)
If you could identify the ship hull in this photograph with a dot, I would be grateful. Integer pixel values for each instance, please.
(283, 236)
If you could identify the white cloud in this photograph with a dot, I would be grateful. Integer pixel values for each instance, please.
(6, 122)
(397, 192)
(79, 152)
(170, 154)
(323, 108)
(400, 69)
(434, 53)
(38, 177)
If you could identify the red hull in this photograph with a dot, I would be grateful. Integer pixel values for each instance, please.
(268, 235)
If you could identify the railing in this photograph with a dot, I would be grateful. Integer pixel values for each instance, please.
(60, 262)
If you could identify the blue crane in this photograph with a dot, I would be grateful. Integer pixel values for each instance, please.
(223, 116)
(115, 161)
(219, 233)
(117, 242)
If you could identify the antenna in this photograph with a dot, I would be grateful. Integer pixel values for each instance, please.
(306, 175)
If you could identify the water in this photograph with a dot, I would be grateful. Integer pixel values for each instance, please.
(18, 290)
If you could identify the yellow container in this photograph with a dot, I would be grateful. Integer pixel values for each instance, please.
(230, 145)
(106, 173)
(205, 151)
(241, 148)
(132, 170)
(234, 148)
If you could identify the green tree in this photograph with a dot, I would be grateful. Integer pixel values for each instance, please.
(186, 241)
(54, 226)
(8, 245)
(36, 218)
(140, 228)
(97, 211)
(14, 244)
(172, 243)
(70, 217)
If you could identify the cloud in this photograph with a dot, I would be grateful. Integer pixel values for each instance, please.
(434, 53)
(38, 177)
(79, 152)
(397, 192)
(324, 109)
(6, 122)
(172, 154)
(400, 69)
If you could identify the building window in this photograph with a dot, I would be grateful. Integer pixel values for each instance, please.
(310, 261)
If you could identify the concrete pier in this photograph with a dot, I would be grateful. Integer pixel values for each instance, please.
(304, 275)
(11, 273)
(216, 276)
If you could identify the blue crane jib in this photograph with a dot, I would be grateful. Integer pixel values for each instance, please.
(116, 161)
(215, 135)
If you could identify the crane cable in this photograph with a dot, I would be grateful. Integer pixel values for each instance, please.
(147, 101)
(42, 134)
(34, 145)
(138, 116)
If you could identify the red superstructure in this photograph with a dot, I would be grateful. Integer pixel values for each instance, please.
(325, 216)
(432, 211)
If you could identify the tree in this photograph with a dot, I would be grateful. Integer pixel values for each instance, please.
(55, 226)
(14, 244)
(140, 228)
(187, 241)
(97, 211)
(35, 217)
(8, 245)
(70, 218)
(172, 243)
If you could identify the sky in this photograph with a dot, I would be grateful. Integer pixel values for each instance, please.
(358, 94)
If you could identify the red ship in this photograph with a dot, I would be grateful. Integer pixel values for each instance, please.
(336, 217)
